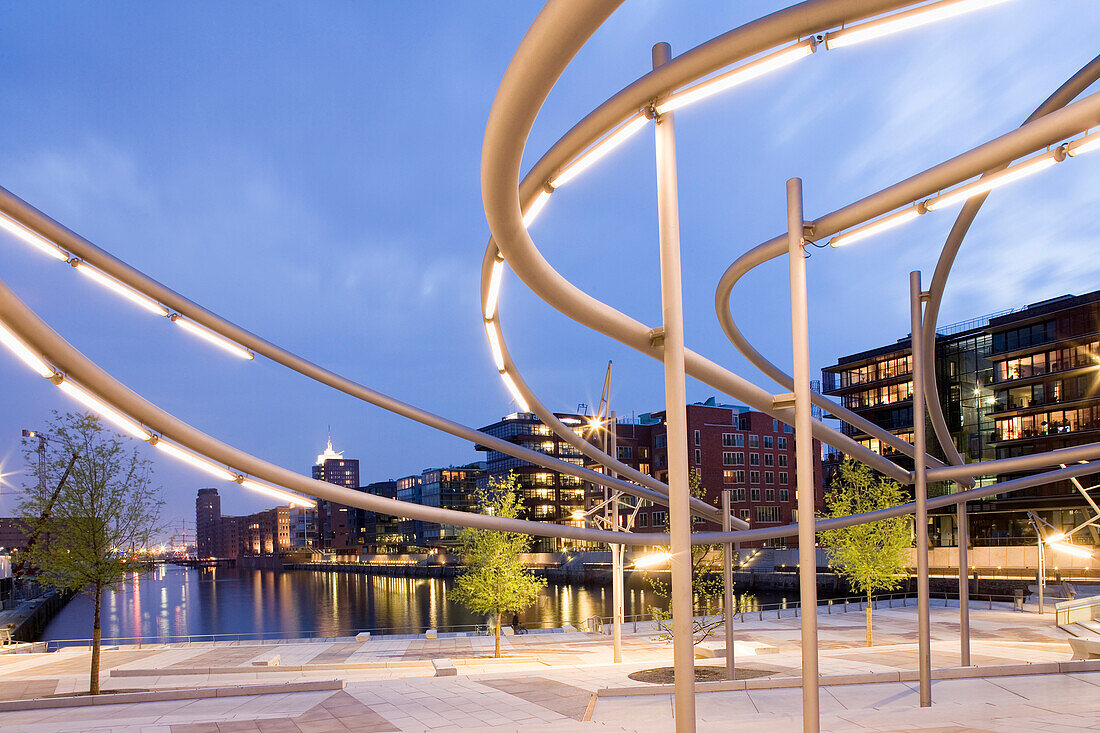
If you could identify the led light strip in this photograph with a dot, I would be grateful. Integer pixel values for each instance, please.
(990, 181)
(904, 21)
(104, 410)
(128, 425)
(32, 238)
(125, 291)
(737, 76)
(212, 337)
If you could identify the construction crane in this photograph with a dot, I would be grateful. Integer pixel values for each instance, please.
(19, 568)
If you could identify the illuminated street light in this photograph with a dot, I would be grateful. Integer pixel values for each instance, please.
(1070, 549)
(653, 560)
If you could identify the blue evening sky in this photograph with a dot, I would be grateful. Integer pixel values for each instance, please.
(311, 172)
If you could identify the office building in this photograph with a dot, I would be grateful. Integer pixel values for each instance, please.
(332, 518)
(733, 449)
(547, 495)
(1011, 383)
(208, 510)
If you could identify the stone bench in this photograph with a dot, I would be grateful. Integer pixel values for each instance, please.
(507, 631)
(363, 636)
(444, 668)
(568, 628)
(431, 634)
(717, 649)
(272, 661)
(1085, 648)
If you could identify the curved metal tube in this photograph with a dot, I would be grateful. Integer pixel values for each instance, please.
(1035, 135)
(557, 34)
(21, 211)
(1065, 94)
(33, 331)
(63, 356)
(658, 489)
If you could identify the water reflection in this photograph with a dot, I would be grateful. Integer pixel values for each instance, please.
(173, 601)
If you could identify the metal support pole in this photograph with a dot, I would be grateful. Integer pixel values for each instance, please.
(804, 459)
(616, 558)
(727, 584)
(1042, 570)
(920, 488)
(668, 218)
(964, 583)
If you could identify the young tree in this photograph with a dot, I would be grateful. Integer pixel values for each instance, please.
(494, 580)
(92, 531)
(707, 583)
(872, 556)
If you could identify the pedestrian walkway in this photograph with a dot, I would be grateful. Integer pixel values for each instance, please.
(551, 681)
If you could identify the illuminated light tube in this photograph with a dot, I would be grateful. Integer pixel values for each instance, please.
(536, 207)
(35, 240)
(1055, 537)
(653, 560)
(287, 496)
(216, 339)
(511, 385)
(20, 349)
(1071, 549)
(993, 180)
(124, 290)
(589, 157)
(495, 278)
(494, 344)
(904, 21)
(196, 460)
(104, 410)
(1085, 145)
(737, 76)
(881, 225)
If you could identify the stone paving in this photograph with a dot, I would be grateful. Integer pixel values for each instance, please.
(550, 681)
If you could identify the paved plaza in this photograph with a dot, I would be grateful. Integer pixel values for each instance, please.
(550, 681)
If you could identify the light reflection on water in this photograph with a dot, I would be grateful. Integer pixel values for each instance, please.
(173, 601)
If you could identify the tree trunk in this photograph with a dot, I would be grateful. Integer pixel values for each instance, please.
(868, 618)
(93, 684)
(497, 655)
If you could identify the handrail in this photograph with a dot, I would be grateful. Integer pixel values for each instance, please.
(597, 624)
(1064, 609)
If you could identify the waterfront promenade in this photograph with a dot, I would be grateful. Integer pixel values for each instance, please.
(565, 681)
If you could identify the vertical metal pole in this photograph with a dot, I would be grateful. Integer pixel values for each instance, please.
(616, 559)
(727, 581)
(964, 584)
(1042, 570)
(920, 488)
(804, 459)
(668, 218)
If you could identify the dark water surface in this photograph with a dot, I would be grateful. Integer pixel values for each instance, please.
(173, 601)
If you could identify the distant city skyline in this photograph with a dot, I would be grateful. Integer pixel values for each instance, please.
(313, 174)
